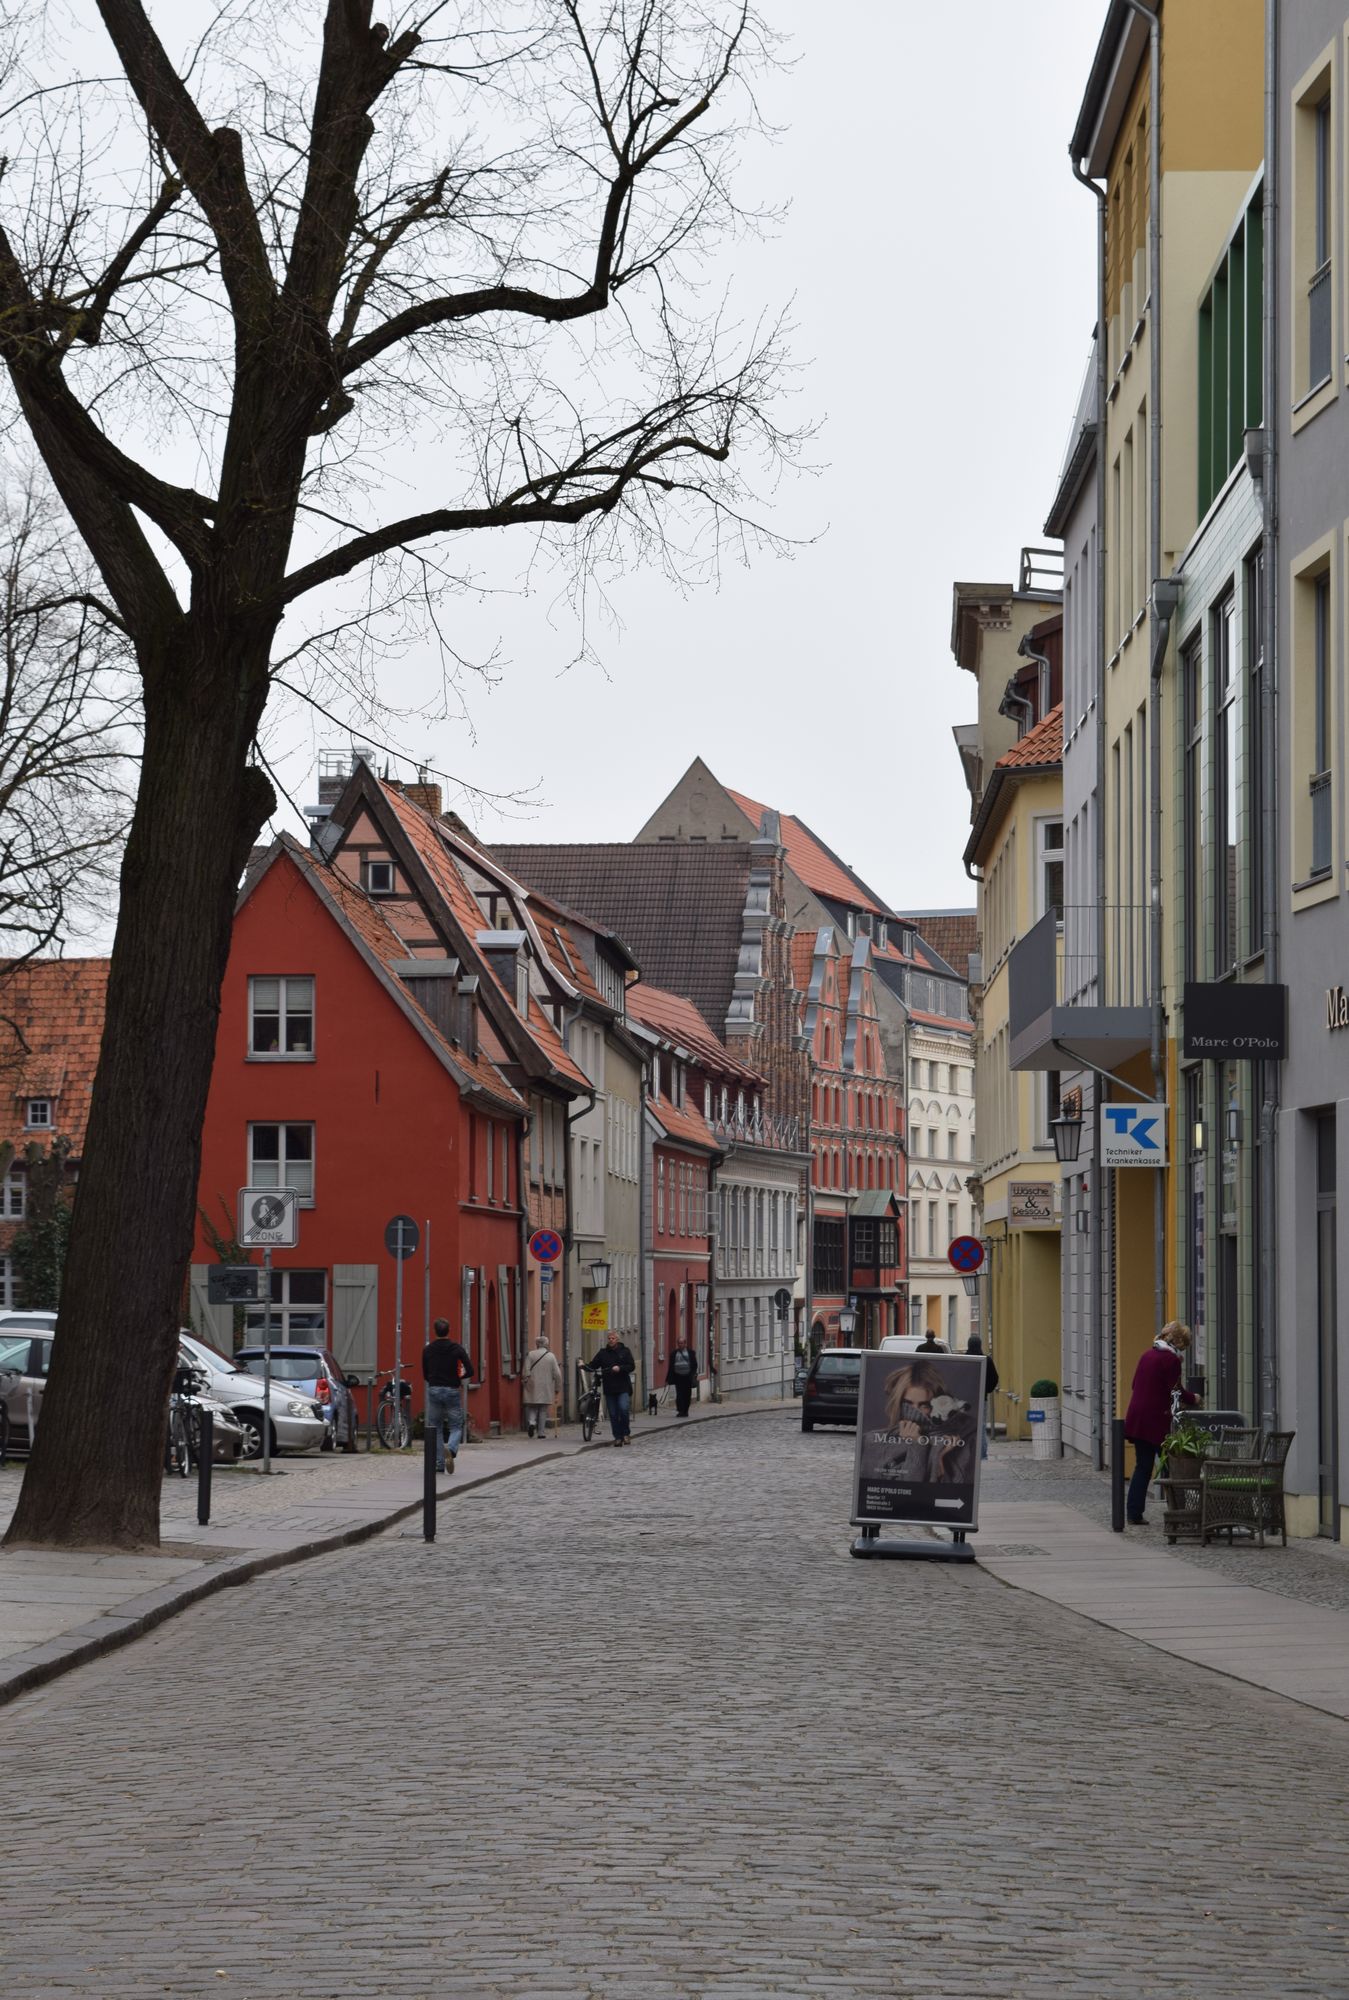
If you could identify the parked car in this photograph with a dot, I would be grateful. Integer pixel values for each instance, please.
(314, 1372)
(298, 1423)
(909, 1343)
(799, 1374)
(25, 1358)
(830, 1395)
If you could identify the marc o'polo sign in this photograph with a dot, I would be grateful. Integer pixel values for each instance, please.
(1228, 1022)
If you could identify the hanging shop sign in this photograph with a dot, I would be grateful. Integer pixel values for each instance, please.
(1133, 1135)
(919, 1418)
(1245, 1023)
(1030, 1205)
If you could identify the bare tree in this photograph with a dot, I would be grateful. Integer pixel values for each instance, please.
(67, 724)
(476, 233)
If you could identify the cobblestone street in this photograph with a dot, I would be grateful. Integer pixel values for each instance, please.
(638, 1726)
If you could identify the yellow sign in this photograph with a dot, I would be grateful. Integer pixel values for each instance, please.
(595, 1319)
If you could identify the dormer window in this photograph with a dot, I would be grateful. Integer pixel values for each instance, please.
(39, 1114)
(379, 878)
(883, 935)
(522, 986)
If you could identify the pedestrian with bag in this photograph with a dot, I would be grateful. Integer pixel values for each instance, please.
(974, 1345)
(542, 1386)
(614, 1368)
(1148, 1417)
(682, 1376)
(446, 1368)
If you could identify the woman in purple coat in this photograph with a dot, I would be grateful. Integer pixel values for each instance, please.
(1148, 1417)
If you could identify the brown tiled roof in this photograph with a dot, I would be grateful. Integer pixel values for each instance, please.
(952, 934)
(51, 1024)
(679, 1021)
(684, 1125)
(676, 904)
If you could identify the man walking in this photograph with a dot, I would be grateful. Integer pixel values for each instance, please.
(446, 1367)
(542, 1386)
(682, 1374)
(615, 1368)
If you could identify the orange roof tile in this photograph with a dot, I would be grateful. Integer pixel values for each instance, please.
(810, 860)
(669, 1014)
(1040, 746)
(51, 1026)
(684, 1125)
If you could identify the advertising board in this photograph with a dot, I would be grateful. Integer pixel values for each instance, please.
(919, 1427)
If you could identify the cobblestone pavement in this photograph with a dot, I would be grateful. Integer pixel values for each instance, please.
(637, 1726)
(1310, 1570)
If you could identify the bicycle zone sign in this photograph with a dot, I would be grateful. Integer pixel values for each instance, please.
(1133, 1135)
(269, 1218)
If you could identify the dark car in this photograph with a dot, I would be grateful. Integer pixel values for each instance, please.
(314, 1372)
(830, 1395)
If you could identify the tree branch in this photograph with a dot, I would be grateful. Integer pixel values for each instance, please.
(87, 324)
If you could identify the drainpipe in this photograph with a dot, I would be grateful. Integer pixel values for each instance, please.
(1099, 1279)
(569, 1019)
(1026, 651)
(1149, 15)
(1269, 832)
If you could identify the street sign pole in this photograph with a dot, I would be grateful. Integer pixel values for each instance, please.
(267, 1361)
(398, 1340)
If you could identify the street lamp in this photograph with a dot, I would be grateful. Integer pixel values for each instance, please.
(1067, 1131)
(847, 1320)
(599, 1274)
(971, 1283)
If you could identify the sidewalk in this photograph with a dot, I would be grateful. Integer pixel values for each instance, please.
(1286, 1629)
(57, 1611)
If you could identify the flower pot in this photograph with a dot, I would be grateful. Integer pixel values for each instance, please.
(1043, 1413)
(1184, 1465)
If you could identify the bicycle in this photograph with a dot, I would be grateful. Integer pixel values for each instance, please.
(394, 1431)
(589, 1404)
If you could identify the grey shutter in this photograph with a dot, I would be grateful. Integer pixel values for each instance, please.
(355, 1318)
(213, 1324)
(505, 1300)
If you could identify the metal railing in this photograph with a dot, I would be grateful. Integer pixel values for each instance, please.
(1318, 326)
(1103, 958)
(1319, 787)
(762, 1128)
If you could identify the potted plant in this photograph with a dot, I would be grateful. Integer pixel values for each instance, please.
(1042, 1413)
(1184, 1449)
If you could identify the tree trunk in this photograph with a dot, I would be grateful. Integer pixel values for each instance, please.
(94, 1477)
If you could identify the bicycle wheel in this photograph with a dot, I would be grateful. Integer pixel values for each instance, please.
(395, 1432)
(4, 1432)
(179, 1455)
(193, 1437)
(587, 1429)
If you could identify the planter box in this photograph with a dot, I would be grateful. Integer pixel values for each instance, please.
(1044, 1414)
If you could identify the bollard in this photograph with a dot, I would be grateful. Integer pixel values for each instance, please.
(205, 1455)
(429, 1431)
(1117, 1474)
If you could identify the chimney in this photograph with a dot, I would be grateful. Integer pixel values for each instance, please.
(428, 797)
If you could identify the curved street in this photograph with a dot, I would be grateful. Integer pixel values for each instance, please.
(636, 1725)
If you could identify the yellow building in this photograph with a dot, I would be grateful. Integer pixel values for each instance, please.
(1010, 640)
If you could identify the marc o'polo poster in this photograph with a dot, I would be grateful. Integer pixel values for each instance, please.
(919, 1423)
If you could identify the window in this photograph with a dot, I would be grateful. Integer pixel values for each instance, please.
(1192, 695)
(298, 1317)
(864, 1242)
(660, 1195)
(522, 986)
(828, 1259)
(379, 878)
(12, 1191)
(932, 1229)
(951, 1141)
(281, 1017)
(1319, 783)
(1312, 230)
(38, 1117)
(1225, 680)
(1255, 750)
(1318, 287)
(1049, 843)
(1231, 353)
(887, 1248)
(8, 1298)
(282, 1156)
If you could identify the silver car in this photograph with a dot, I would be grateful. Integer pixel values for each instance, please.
(298, 1424)
(25, 1359)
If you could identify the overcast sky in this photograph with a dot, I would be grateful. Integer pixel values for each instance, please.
(939, 264)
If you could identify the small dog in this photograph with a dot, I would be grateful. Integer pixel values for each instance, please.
(652, 1404)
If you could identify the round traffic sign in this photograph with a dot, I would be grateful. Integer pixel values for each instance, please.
(965, 1254)
(545, 1246)
(401, 1236)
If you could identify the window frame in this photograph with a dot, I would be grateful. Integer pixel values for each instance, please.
(282, 981)
(283, 1162)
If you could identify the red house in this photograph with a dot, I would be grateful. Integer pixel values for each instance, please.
(375, 1054)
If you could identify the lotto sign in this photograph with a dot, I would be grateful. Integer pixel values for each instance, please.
(545, 1246)
(1133, 1135)
(595, 1319)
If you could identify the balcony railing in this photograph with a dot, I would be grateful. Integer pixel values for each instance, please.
(761, 1128)
(1318, 326)
(1101, 958)
(1319, 786)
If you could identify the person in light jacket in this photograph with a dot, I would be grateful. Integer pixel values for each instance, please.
(1148, 1417)
(682, 1376)
(542, 1386)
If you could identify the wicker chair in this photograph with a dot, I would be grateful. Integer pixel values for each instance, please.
(1241, 1486)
